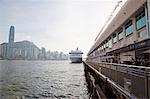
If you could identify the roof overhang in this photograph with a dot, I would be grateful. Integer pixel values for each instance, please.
(127, 10)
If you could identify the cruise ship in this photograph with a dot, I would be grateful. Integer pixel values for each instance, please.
(76, 56)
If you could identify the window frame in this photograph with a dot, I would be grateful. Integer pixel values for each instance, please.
(127, 27)
(121, 32)
(115, 37)
(107, 44)
(110, 41)
(139, 17)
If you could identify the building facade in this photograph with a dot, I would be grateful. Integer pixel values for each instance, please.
(25, 50)
(0, 52)
(127, 38)
(4, 50)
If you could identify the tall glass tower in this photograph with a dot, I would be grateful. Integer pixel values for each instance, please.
(11, 43)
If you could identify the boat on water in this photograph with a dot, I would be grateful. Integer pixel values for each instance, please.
(76, 56)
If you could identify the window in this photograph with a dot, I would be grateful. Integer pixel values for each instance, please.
(129, 28)
(106, 44)
(98, 49)
(120, 35)
(110, 43)
(94, 53)
(141, 20)
(114, 38)
(102, 47)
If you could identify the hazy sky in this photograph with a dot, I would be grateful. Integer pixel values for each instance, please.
(59, 25)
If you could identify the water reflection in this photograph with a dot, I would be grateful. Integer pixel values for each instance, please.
(42, 79)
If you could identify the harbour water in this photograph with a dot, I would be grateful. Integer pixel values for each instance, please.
(42, 80)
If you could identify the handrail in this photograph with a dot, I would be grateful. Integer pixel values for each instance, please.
(123, 65)
(113, 70)
(116, 86)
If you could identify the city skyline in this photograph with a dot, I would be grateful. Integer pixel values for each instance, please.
(26, 50)
(11, 41)
(56, 25)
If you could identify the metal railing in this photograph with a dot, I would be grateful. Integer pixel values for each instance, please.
(134, 79)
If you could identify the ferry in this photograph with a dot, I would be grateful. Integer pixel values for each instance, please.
(76, 56)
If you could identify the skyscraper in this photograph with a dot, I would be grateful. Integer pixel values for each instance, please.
(43, 53)
(10, 43)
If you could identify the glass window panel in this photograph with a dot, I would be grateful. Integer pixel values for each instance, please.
(115, 39)
(121, 35)
(110, 43)
(104, 46)
(129, 30)
(141, 22)
(107, 44)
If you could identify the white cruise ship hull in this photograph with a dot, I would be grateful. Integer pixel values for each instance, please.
(76, 56)
(76, 60)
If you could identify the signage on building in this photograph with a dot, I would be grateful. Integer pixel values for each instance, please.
(144, 43)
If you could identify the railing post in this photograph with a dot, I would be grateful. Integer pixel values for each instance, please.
(109, 71)
(146, 84)
(127, 69)
(117, 73)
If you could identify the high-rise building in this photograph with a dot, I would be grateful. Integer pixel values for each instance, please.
(10, 43)
(25, 50)
(0, 51)
(4, 50)
(43, 53)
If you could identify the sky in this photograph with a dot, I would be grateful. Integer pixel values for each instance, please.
(60, 25)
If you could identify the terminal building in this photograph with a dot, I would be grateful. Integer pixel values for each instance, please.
(118, 64)
(127, 38)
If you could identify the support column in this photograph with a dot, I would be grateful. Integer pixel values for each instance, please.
(147, 14)
(124, 37)
(135, 37)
